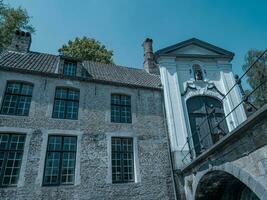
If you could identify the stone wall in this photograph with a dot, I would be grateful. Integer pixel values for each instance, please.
(153, 178)
(241, 154)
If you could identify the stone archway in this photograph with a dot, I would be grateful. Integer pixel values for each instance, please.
(221, 185)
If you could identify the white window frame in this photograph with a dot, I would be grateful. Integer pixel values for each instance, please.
(46, 133)
(109, 135)
(28, 134)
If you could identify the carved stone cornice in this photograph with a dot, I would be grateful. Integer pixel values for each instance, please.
(195, 88)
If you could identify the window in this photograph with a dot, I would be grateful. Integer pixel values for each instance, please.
(197, 72)
(121, 108)
(69, 68)
(122, 160)
(60, 160)
(17, 99)
(11, 152)
(66, 104)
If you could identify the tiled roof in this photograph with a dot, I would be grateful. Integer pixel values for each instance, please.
(46, 63)
(32, 61)
(119, 74)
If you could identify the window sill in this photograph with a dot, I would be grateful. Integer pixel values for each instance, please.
(63, 185)
(64, 119)
(123, 183)
(9, 115)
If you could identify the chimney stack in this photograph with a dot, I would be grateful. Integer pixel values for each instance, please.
(149, 62)
(21, 42)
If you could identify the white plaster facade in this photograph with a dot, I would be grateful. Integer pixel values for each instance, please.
(179, 85)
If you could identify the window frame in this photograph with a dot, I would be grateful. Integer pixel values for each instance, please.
(122, 161)
(121, 106)
(19, 95)
(66, 100)
(6, 151)
(75, 64)
(59, 182)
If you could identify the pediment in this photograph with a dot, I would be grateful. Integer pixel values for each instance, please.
(194, 48)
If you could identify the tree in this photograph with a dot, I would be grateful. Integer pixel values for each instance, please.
(12, 19)
(87, 49)
(257, 76)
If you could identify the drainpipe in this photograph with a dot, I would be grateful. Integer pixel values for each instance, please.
(168, 143)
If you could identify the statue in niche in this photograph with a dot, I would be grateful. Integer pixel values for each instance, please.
(197, 73)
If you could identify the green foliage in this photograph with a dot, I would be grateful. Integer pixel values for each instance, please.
(87, 49)
(256, 76)
(12, 19)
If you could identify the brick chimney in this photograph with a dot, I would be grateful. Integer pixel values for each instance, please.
(21, 42)
(149, 62)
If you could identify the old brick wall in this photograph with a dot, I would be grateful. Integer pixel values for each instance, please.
(92, 181)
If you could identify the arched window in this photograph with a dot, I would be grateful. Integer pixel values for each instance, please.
(198, 75)
(205, 113)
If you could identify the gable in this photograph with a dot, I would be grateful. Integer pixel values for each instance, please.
(194, 48)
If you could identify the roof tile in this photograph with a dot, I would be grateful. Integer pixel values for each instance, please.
(46, 63)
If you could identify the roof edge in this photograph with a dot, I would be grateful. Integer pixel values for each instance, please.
(76, 78)
(197, 42)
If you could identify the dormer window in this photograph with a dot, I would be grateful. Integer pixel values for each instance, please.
(198, 75)
(70, 68)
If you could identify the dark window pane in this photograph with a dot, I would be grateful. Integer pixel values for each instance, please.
(61, 93)
(26, 89)
(69, 144)
(4, 141)
(59, 109)
(69, 68)
(10, 158)
(122, 159)
(66, 104)
(13, 88)
(68, 168)
(17, 99)
(72, 110)
(23, 105)
(121, 108)
(54, 143)
(60, 160)
(73, 95)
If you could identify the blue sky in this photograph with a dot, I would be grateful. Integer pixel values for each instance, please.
(122, 25)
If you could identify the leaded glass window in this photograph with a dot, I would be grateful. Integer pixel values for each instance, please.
(69, 68)
(122, 160)
(121, 108)
(66, 104)
(60, 160)
(11, 152)
(17, 99)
